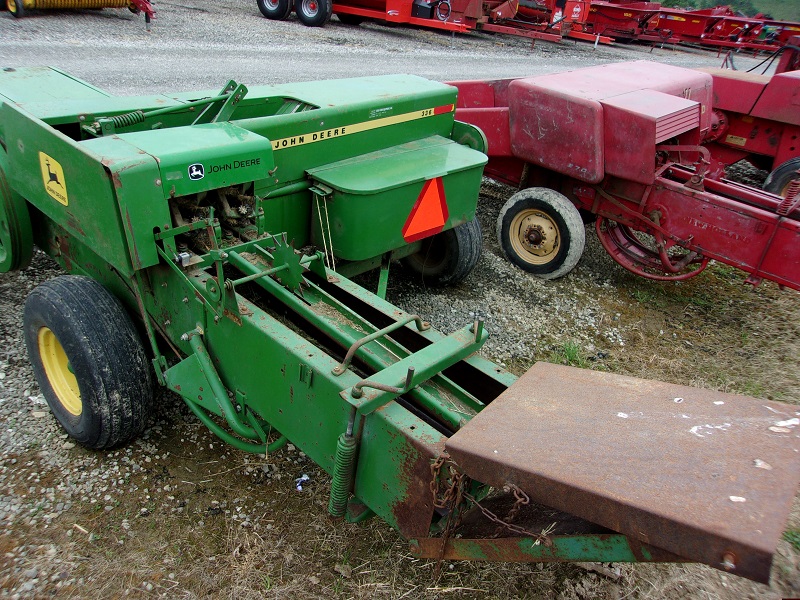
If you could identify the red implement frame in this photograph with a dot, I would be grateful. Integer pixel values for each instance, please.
(549, 20)
(599, 158)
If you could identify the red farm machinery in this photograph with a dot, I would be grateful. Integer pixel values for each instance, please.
(590, 20)
(719, 27)
(623, 143)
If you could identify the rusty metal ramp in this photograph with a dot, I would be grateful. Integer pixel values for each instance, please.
(705, 475)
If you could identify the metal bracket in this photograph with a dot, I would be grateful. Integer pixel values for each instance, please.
(343, 366)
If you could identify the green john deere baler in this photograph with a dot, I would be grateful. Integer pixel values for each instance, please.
(222, 226)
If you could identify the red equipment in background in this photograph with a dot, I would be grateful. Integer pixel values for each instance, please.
(623, 142)
(592, 20)
(719, 27)
(757, 118)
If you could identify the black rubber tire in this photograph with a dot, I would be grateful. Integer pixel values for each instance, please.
(16, 237)
(16, 8)
(447, 258)
(277, 10)
(313, 13)
(350, 19)
(552, 216)
(104, 353)
(777, 181)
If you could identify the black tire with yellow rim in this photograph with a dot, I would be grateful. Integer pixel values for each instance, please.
(541, 232)
(89, 361)
(16, 8)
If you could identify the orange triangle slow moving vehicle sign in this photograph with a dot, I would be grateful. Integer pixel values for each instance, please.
(429, 213)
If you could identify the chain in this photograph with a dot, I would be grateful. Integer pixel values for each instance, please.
(450, 499)
(521, 500)
(453, 494)
(443, 500)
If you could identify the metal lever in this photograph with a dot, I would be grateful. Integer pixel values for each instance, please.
(358, 391)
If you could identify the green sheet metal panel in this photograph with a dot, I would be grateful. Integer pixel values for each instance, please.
(67, 182)
(204, 157)
(43, 84)
(138, 188)
(398, 166)
(377, 195)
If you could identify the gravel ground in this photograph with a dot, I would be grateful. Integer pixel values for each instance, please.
(52, 493)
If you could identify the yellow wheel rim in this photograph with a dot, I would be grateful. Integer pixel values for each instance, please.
(59, 375)
(534, 237)
(12, 6)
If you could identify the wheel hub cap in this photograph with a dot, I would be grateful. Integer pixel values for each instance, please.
(534, 236)
(59, 373)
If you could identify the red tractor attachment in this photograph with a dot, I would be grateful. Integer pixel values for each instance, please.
(622, 142)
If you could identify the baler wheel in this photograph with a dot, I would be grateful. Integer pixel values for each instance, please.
(16, 237)
(541, 232)
(16, 8)
(89, 361)
(277, 10)
(313, 13)
(638, 253)
(447, 257)
(779, 180)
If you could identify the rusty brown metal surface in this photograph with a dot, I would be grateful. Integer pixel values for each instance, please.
(592, 548)
(705, 475)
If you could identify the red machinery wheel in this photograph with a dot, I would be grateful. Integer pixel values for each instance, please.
(781, 178)
(541, 232)
(277, 10)
(632, 251)
(313, 13)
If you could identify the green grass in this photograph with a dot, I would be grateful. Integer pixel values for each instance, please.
(793, 537)
(783, 10)
(787, 10)
(569, 353)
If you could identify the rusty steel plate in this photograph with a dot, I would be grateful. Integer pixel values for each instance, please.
(705, 475)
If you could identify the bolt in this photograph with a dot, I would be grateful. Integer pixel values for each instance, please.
(534, 236)
(167, 322)
(185, 337)
(82, 118)
(185, 300)
(158, 182)
(729, 561)
(216, 318)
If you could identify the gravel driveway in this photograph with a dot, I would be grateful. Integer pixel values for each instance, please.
(83, 524)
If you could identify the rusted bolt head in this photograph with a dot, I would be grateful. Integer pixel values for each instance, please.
(729, 561)
(534, 236)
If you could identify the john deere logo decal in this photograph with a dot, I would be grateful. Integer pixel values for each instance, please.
(53, 178)
(196, 172)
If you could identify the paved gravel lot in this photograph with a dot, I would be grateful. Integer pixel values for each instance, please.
(45, 481)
